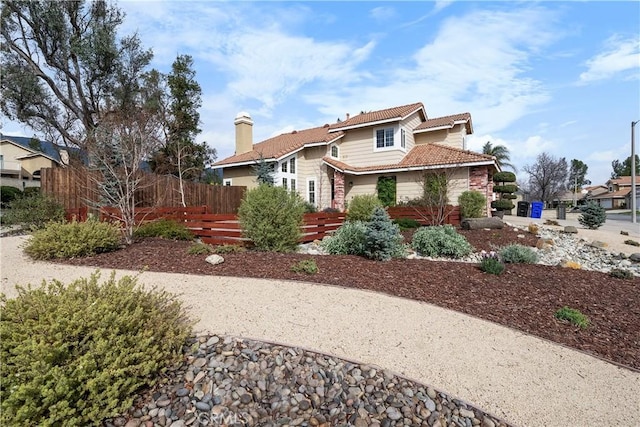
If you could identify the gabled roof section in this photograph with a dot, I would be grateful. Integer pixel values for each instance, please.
(283, 145)
(381, 116)
(614, 194)
(621, 181)
(445, 122)
(423, 156)
(49, 149)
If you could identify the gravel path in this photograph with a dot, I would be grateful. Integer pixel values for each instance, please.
(519, 378)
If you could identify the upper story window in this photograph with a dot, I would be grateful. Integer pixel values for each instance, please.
(384, 138)
(335, 153)
(403, 139)
(226, 182)
(611, 189)
(292, 165)
(284, 166)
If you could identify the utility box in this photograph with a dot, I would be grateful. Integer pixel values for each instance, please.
(561, 211)
(523, 209)
(536, 209)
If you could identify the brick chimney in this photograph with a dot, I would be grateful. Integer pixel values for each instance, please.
(244, 133)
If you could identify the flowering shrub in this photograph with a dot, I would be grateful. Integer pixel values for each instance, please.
(491, 263)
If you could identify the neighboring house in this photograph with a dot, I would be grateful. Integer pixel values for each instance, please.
(613, 194)
(331, 164)
(20, 164)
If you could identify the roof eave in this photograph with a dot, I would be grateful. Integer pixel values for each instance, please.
(410, 168)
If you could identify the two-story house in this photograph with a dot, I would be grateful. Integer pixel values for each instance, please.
(615, 193)
(20, 162)
(330, 164)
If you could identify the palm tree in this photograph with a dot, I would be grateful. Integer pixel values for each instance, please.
(500, 152)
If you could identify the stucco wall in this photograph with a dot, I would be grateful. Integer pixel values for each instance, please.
(241, 175)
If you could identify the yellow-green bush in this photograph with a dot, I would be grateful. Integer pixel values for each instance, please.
(165, 228)
(361, 207)
(74, 239)
(76, 354)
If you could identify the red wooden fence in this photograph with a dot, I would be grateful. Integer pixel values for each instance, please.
(221, 229)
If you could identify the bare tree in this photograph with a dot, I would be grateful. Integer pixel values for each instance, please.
(547, 177)
(120, 145)
(436, 188)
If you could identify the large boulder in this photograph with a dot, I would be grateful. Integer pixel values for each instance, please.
(481, 223)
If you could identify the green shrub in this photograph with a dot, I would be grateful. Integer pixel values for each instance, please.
(406, 223)
(361, 207)
(621, 273)
(386, 189)
(472, 204)
(440, 241)
(502, 205)
(504, 177)
(271, 217)
(34, 212)
(9, 194)
(73, 239)
(331, 210)
(310, 207)
(31, 191)
(199, 248)
(347, 240)
(307, 266)
(382, 238)
(507, 188)
(631, 242)
(593, 216)
(491, 264)
(518, 254)
(76, 354)
(228, 249)
(165, 228)
(572, 315)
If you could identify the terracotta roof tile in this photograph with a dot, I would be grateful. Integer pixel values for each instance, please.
(380, 115)
(443, 121)
(423, 155)
(623, 180)
(614, 194)
(281, 145)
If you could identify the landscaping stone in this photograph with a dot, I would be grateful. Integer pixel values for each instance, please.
(571, 229)
(256, 383)
(214, 259)
(635, 257)
(492, 223)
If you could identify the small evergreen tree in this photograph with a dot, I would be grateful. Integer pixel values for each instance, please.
(593, 216)
(383, 240)
(264, 171)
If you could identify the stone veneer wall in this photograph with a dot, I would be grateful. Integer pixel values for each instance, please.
(480, 179)
(338, 189)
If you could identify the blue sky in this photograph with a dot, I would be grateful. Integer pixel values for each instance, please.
(560, 77)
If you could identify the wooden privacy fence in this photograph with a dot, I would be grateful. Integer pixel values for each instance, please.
(76, 188)
(424, 215)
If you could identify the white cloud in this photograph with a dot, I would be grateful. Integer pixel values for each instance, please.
(382, 13)
(620, 56)
(441, 4)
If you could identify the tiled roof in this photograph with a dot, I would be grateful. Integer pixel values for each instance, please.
(614, 194)
(439, 122)
(623, 180)
(281, 145)
(421, 156)
(380, 115)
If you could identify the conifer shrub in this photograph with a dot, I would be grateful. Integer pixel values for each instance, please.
(349, 239)
(272, 217)
(75, 354)
(440, 241)
(382, 238)
(165, 228)
(472, 204)
(73, 239)
(361, 207)
(34, 211)
(593, 216)
(518, 254)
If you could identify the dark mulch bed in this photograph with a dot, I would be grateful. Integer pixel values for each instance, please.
(525, 297)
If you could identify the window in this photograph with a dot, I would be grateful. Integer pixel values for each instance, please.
(226, 182)
(284, 166)
(292, 165)
(334, 151)
(284, 182)
(384, 138)
(293, 184)
(403, 139)
(311, 191)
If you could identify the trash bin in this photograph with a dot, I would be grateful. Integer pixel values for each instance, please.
(561, 211)
(536, 209)
(523, 209)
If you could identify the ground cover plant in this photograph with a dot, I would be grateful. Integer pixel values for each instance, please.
(307, 266)
(440, 241)
(573, 316)
(518, 254)
(491, 263)
(199, 248)
(406, 223)
(73, 239)
(70, 362)
(164, 228)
